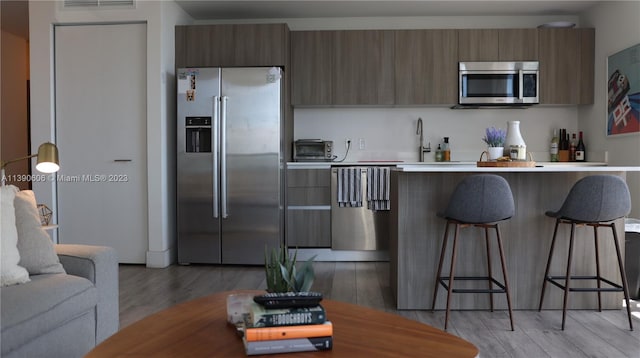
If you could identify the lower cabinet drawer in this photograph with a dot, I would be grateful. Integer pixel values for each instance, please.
(309, 228)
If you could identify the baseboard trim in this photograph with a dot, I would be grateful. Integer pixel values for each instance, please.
(160, 259)
(340, 255)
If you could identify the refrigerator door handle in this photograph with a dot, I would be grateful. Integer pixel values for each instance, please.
(216, 167)
(223, 157)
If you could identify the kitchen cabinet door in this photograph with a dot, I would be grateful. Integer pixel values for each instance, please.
(587, 59)
(498, 45)
(312, 67)
(478, 45)
(364, 68)
(204, 45)
(566, 65)
(309, 208)
(232, 45)
(518, 44)
(261, 45)
(426, 67)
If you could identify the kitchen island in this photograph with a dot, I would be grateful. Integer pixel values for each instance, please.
(420, 190)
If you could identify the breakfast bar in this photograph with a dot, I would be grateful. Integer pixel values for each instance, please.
(420, 190)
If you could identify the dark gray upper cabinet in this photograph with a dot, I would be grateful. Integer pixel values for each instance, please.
(312, 66)
(587, 65)
(426, 67)
(364, 68)
(498, 45)
(417, 67)
(518, 44)
(566, 65)
(478, 45)
(232, 45)
(342, 67)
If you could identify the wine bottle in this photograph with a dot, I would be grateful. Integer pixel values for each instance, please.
(553, 149)
(572, 148)
(580, 150)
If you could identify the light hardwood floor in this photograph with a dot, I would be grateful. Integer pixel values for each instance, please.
(144, 291)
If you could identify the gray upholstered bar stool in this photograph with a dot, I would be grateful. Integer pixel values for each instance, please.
(595, 201)
(478, 201)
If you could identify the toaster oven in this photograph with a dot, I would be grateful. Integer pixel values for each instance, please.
(313, 150)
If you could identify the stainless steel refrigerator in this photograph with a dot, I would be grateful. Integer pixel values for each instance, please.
(229, 164)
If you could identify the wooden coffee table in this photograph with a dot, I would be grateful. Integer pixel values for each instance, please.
(199, 328)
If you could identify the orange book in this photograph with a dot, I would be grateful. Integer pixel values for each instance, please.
(288, 332)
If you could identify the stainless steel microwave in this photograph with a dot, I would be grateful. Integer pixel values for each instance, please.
(313, 150)
(499, 83)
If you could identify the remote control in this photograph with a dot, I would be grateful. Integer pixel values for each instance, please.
(289, 299)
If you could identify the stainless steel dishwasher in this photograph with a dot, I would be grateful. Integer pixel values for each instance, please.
(357, 228)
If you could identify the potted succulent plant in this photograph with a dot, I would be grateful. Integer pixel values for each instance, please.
(495, 137)
(282, 274)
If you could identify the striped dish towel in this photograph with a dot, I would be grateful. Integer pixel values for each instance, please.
(378, 188)
(349, 187)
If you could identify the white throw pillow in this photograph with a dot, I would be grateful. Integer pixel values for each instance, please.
(37, 253)
(10, 272)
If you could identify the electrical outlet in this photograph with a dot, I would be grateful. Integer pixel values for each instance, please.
(347, 143)
(361, 144)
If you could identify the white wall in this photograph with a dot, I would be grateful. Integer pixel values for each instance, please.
(396, 23)
(390, 133)
(617, 25)
(160, 18)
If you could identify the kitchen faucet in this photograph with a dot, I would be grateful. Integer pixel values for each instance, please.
(422, 149)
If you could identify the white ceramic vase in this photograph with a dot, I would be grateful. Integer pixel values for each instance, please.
(513, 137)
(495, 152)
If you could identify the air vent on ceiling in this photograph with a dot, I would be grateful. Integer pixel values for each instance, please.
(97, 3)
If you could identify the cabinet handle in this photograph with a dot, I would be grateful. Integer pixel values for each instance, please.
(122, 160)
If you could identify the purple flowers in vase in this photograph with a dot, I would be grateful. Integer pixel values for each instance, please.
(495, 137)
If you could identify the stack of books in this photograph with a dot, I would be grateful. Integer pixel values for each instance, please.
(286, 329)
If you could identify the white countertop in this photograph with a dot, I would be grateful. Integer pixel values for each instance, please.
(471, 166)
(539, 168)
(326, 165)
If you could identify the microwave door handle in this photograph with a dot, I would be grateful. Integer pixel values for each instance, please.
(197, 146)
(520, 86)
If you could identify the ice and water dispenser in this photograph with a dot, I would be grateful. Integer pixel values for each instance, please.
(198, 134)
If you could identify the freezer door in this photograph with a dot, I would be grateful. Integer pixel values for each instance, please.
(251, 168)
(198, 228)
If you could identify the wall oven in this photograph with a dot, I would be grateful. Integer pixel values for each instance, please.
(498, 83)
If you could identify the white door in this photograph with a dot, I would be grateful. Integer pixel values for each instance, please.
(100, 89)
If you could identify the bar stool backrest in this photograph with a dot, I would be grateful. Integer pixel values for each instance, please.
(479, 199)
(596, 198)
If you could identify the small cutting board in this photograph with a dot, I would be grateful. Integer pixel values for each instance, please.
(502, 164)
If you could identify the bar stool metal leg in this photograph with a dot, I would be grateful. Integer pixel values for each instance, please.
(451, 274)
(595, 240)
(546, 272)
(567, 282)
(444, 249)
(486, 239)
(625, 288)
(504, 274)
